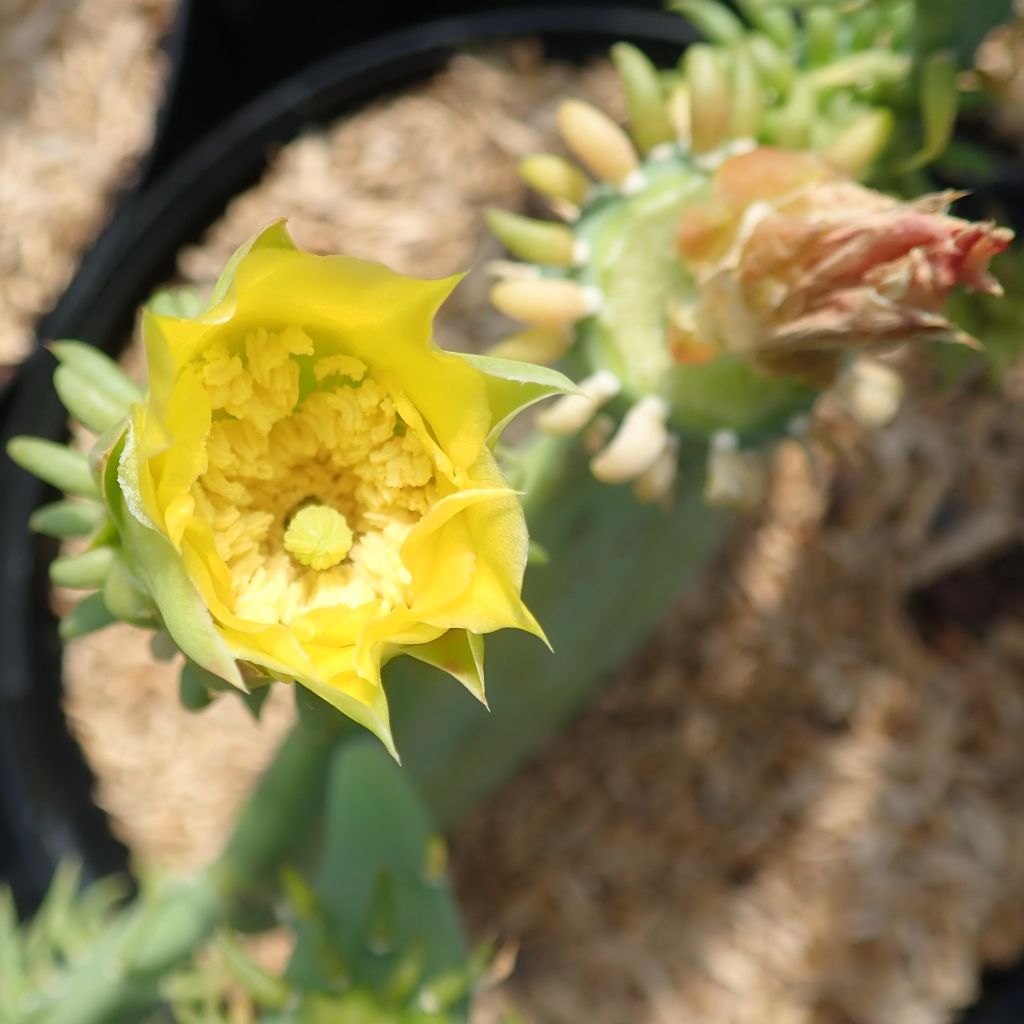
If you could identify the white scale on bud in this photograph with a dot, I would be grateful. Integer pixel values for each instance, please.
(639, 441)
(571, 413)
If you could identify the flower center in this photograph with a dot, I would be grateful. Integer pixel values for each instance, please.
(318, 536)
(290, 423)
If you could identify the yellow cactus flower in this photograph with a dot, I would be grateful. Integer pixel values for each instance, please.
(309, 487)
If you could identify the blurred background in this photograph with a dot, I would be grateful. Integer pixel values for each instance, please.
(802, 802)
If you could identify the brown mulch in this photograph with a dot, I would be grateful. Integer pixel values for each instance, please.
(80, 81)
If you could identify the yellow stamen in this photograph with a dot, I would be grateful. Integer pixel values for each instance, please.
(318, 536)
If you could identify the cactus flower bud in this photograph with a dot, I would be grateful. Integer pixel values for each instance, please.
(796, 263)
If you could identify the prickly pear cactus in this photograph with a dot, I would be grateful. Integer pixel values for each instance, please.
(715, 263)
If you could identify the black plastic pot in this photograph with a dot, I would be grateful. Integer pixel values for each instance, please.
(46, 811)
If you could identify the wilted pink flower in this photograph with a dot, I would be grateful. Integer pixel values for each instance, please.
(797, 263)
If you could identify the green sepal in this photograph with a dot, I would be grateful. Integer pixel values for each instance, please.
(99, 370)
(126, 598)
(512, 386)
(273, 236)
(88, 616)
(86, 571)
(459, 653)
(55, 464)
(68, 518)
(159, 568)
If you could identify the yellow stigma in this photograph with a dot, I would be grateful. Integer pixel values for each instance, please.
(318, 536)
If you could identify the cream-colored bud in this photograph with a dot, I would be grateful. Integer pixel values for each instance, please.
(571, 413)
(872, 391)
(648, 119)
(658, 483)
(542, 345)
(636, 445)
(736, 480)
(597, 141)
(545, 301)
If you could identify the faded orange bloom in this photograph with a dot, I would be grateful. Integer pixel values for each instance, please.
(796, 264)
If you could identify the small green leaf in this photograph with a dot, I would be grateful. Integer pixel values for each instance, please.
(512, 386)
(273, 236)
(88, 616)
(939, 95)
(99, 371)
(773, 19)
(648, 117)
(68, 518)
(194, 690)
(126, 598)
(84, 572)
(714, 20)
(536, 241)
(55, 464)
(86, 403)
